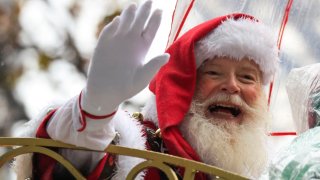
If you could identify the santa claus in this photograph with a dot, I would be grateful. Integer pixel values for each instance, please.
(208, 100)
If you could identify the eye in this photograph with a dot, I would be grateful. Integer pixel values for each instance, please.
(212, 73)
(248, 78)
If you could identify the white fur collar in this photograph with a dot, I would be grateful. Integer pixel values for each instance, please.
(131, 136)
(130, 131)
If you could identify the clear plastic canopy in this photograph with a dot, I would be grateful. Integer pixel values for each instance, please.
(296, 22)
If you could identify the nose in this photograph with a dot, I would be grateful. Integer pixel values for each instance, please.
(230, 85)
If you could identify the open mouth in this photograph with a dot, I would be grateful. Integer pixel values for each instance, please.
(233, 110)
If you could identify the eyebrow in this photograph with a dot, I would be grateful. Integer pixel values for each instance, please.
(244, 67)
(252, 69)
(212, 64)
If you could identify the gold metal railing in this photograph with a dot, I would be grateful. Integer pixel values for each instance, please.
(153, 159)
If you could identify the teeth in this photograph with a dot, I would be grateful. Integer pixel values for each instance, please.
(234, 110)
(228, 106)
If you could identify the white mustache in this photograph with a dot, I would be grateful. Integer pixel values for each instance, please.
(223, 98)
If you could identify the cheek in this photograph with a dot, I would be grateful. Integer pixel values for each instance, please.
(204, 88)
(251, 94)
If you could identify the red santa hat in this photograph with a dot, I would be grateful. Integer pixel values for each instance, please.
(235, 36)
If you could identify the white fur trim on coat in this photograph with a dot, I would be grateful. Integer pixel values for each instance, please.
(131, 132)
(238, 39)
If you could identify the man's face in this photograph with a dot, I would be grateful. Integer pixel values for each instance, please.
(227, 120)
(231, 77)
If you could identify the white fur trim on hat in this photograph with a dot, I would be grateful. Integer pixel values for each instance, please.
(238, 39)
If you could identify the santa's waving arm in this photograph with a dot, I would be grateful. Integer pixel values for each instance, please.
(116, 73)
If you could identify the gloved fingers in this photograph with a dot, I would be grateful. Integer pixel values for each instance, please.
(126, 18)
(143, 13)
(109, 30)
(146, 72)
(152, 26)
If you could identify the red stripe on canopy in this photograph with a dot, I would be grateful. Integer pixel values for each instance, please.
(280, 35)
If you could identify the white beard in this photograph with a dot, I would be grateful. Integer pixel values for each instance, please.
(239, 148)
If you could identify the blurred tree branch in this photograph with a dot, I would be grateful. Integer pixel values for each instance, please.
(9, 70)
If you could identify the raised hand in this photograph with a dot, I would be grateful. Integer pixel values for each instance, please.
(116, 71)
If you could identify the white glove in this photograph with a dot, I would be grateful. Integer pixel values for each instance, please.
(116, 71)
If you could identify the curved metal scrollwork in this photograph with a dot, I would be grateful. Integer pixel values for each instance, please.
(38, 149)
(153, 159)
(146, 164)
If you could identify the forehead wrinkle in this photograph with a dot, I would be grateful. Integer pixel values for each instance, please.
(250, 69)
